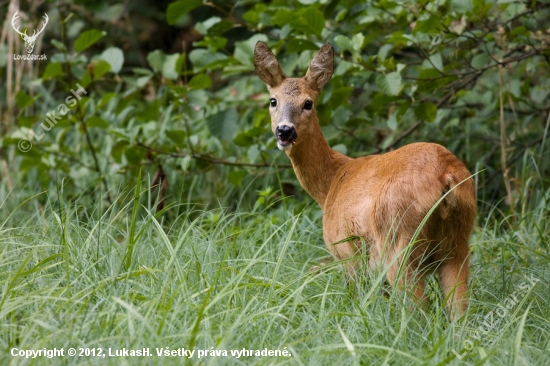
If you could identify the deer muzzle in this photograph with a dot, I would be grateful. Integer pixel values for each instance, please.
(286, 136)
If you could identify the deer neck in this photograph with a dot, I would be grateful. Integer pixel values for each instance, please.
(315, 163)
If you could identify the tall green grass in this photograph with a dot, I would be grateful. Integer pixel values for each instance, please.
(126, 276)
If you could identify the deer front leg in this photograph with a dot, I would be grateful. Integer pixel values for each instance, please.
(345, 251)
(410, 280)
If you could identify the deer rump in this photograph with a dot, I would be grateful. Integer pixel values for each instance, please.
(384, 199)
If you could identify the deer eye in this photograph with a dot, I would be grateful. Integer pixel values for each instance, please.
(308, 104)
(273, 102)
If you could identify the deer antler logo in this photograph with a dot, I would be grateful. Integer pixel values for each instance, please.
(29, 40)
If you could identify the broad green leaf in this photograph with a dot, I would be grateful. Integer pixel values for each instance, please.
(203, 27)
(27, 121)
(23, 100)
(429, 25)
(341, 148)
(398, 38)
(392, 121)
(156, 60)
(253, 153)
(251, 16)
(134, 155)
(86, 79)
(341, 115)
(200, 81)
(402, 110)
(341, 15)
(462, 6)
(429, 73)
(515, 88)
(105, 99)
(243, 139)
(315, 20)
(357, 41)
(52, 70)
(283, 16)
(115, 57)
(185, 163)
(220, 28)
(178, 9)
(426, 111)
(178, 136)
(437, 61)
(118, 149)
(142, 81)
(520, 31)
(539, 94)
(142, 71)
(87, 38)
(212, 43)
(389, 84)
(384, 51)
(150, 111)
(201, 57)
(59, 45)
(343, 42)
(100, 68)
(299, 45)
(223, 125)
(168, 65)
(236, 177)
(33, 162)
(96, 121)
(480, 61)
(340, 96)
(244, 51)
(389, 65)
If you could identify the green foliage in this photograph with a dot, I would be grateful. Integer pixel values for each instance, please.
(178, 9)
(200, 107)
(87, 39)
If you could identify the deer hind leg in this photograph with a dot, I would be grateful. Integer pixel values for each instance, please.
(413, 283)
(453, 277)
(410, 280)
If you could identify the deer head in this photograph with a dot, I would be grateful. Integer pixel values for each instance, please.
(292, 103)
(29, 40)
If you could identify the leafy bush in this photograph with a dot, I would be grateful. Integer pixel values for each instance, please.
(469, 74)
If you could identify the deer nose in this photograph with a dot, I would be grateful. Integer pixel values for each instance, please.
(285, 132)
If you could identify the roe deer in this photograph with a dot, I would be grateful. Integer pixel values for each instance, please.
(381, 199)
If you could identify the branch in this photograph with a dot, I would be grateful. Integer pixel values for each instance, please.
(63, 156)
(80, 114)
(476, 74)
(483, 69)
(209, 159)
(503, 141)
(517, 156)
(420, 121)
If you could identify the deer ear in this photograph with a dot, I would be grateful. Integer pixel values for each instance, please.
(267, 67)
(321, 67)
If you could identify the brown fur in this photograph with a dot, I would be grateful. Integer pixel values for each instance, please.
(380, 198)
